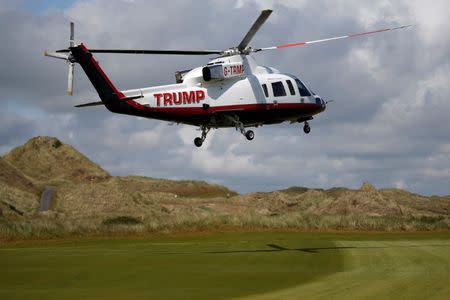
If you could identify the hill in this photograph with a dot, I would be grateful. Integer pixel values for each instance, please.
(89, 200)
(81, 185)
(46, 159)
(18, 194)
(13, 178)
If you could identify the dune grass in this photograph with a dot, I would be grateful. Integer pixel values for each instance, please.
(54, 226)
(232, 265)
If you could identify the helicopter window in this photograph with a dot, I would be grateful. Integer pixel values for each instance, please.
(291, 87)
(302, 89)
(266, 92)
(278, 89)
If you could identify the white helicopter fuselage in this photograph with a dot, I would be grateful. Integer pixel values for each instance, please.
(230, 91)
(250, 87)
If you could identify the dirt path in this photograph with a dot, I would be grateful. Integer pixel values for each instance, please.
(46, 198)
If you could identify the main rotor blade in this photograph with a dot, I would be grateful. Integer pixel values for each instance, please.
(355, 35)
(255, 27)
(72, 35)
(144, 51)
(70, 79)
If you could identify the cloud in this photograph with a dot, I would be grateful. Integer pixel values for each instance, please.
(388, 124)
(14, 129)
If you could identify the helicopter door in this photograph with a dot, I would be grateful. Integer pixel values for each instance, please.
(279, 92)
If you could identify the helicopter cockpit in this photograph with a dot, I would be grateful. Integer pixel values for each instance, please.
(306, 92)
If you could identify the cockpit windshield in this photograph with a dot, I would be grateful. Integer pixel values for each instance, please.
(302, 88)
(304, 91)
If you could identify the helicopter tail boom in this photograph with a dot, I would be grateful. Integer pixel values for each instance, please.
(108, 93)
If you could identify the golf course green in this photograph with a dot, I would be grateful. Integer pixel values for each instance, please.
(261, 265)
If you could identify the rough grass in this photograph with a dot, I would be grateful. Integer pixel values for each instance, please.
(14, 178)
(103, 209)
(121, 220)
(47, 159)
(90, 202)
(82, 209)
(180, 188)
(23, 201)
(53, 226)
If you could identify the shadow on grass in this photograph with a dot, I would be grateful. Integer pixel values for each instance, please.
(277, 248)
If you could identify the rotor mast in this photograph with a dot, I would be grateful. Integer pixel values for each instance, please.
(242, 47)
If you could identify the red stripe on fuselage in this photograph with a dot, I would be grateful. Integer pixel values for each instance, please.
(188, 111)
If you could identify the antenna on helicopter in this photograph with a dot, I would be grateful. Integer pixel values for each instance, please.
(68, 58)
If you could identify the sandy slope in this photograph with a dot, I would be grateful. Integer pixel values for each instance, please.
(87, 196)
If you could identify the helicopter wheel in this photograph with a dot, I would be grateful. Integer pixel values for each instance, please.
(250, 135)
(198, 142)
(306, 128)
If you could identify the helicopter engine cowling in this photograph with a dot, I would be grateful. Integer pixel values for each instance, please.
(222, 71)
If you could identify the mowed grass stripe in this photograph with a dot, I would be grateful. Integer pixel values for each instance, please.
(381, 270)
(220, 267)
(234, 265)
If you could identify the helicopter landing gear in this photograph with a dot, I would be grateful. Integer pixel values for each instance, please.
(250, 135)
(306, 128)
(198, 141)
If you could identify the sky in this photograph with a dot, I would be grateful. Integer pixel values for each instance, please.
(388, 124)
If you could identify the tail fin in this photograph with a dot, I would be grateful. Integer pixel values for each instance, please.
(108, 93)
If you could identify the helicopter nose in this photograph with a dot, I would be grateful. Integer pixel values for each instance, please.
(320, 101)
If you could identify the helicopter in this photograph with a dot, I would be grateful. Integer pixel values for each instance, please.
(231, 90)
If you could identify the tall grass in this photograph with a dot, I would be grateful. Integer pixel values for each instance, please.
(43, 227)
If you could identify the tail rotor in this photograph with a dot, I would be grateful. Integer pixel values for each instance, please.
(70, 79)
(68, 58)
(71, 62)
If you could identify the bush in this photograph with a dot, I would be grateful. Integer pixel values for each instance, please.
(429, 219)
(122, 220)
(57, 144)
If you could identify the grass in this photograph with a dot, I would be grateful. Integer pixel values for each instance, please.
(88, 201)
(47, 159)
(121, 220)
(52, 225)
(232, 265)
